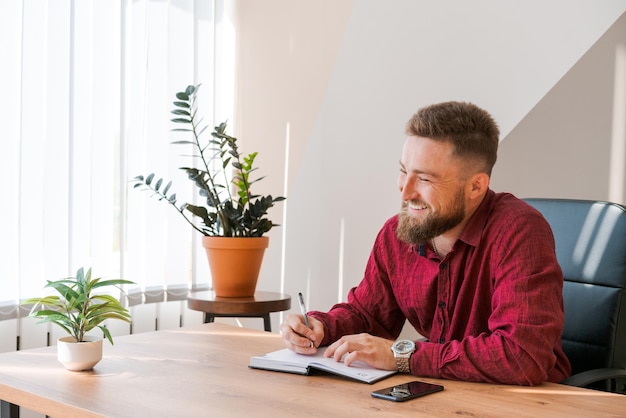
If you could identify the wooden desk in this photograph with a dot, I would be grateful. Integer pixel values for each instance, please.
(258, 306)
(203, 371)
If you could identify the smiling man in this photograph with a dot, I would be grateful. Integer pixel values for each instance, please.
(473, 271)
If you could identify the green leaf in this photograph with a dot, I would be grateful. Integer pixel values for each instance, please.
(107, 334)
(167, 187)
(190, 90)
(201, 131)
(65, 291)
(112, 282)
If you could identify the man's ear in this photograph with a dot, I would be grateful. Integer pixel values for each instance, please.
(477, 185)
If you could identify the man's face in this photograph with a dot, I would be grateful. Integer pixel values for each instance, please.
(432, 190)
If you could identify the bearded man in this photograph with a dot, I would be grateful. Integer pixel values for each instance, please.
(473, 271)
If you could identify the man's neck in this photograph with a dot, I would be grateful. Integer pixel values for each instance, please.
(444, 242)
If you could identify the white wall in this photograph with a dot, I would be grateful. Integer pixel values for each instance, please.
(336, 80)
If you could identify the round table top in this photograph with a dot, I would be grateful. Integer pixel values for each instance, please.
(260, 303)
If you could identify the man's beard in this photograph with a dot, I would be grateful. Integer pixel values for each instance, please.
(416, 231)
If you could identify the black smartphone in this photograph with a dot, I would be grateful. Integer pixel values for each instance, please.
(406, 391)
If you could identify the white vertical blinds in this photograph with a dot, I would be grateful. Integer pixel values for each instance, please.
(88, 86)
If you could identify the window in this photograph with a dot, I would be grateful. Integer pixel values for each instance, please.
(88, 91)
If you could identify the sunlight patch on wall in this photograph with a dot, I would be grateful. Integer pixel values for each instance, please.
(284, 203)
(342, 241)
(618, 137)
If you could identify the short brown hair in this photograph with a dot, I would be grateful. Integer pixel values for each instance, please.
(471, 130)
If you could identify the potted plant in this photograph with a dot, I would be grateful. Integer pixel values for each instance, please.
(231, 219)
(78, 310)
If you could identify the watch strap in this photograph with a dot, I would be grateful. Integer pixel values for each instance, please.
(403, 363)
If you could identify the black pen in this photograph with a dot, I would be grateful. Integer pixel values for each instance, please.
(303, 310)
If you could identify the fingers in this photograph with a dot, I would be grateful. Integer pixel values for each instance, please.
(298, 337)
(343, 347)
(371, 350)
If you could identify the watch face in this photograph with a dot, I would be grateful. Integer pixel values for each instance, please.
(404, 346)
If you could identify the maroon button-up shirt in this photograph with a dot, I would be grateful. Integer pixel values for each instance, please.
(492, 309)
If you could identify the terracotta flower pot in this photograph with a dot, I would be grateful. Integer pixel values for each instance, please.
(79, 356)
(235, 264)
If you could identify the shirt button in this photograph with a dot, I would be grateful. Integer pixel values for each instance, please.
(444, 266)
(442, 340)
(442, 305)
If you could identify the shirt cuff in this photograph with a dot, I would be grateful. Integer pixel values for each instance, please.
(425, 359)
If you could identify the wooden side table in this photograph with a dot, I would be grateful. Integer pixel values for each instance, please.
(258, 306)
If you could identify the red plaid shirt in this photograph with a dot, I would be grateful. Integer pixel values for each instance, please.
(492, 309)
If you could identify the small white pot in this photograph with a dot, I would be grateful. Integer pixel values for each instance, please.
(79, 356)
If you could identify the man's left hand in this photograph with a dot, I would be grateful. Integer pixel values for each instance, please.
(374, 351)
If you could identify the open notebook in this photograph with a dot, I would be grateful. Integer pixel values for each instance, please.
(286, 360)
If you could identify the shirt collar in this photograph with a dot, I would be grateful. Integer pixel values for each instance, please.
(474, 229)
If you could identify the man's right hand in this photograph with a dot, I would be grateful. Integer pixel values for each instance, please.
(298, 337)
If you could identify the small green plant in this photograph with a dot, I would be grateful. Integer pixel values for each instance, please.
(230, 210)
(77, 310)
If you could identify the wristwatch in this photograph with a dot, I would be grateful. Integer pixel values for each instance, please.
(402, 350)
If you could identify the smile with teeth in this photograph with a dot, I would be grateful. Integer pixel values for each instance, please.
(415, 206)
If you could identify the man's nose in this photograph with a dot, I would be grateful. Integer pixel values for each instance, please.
(408, 191)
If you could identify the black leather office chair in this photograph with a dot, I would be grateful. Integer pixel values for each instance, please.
(591, 249)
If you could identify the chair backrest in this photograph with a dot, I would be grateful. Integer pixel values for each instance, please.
(591, 249)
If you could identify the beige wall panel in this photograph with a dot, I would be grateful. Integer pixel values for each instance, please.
(568, 144)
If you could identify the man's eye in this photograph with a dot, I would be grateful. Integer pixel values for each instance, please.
(423, 179)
